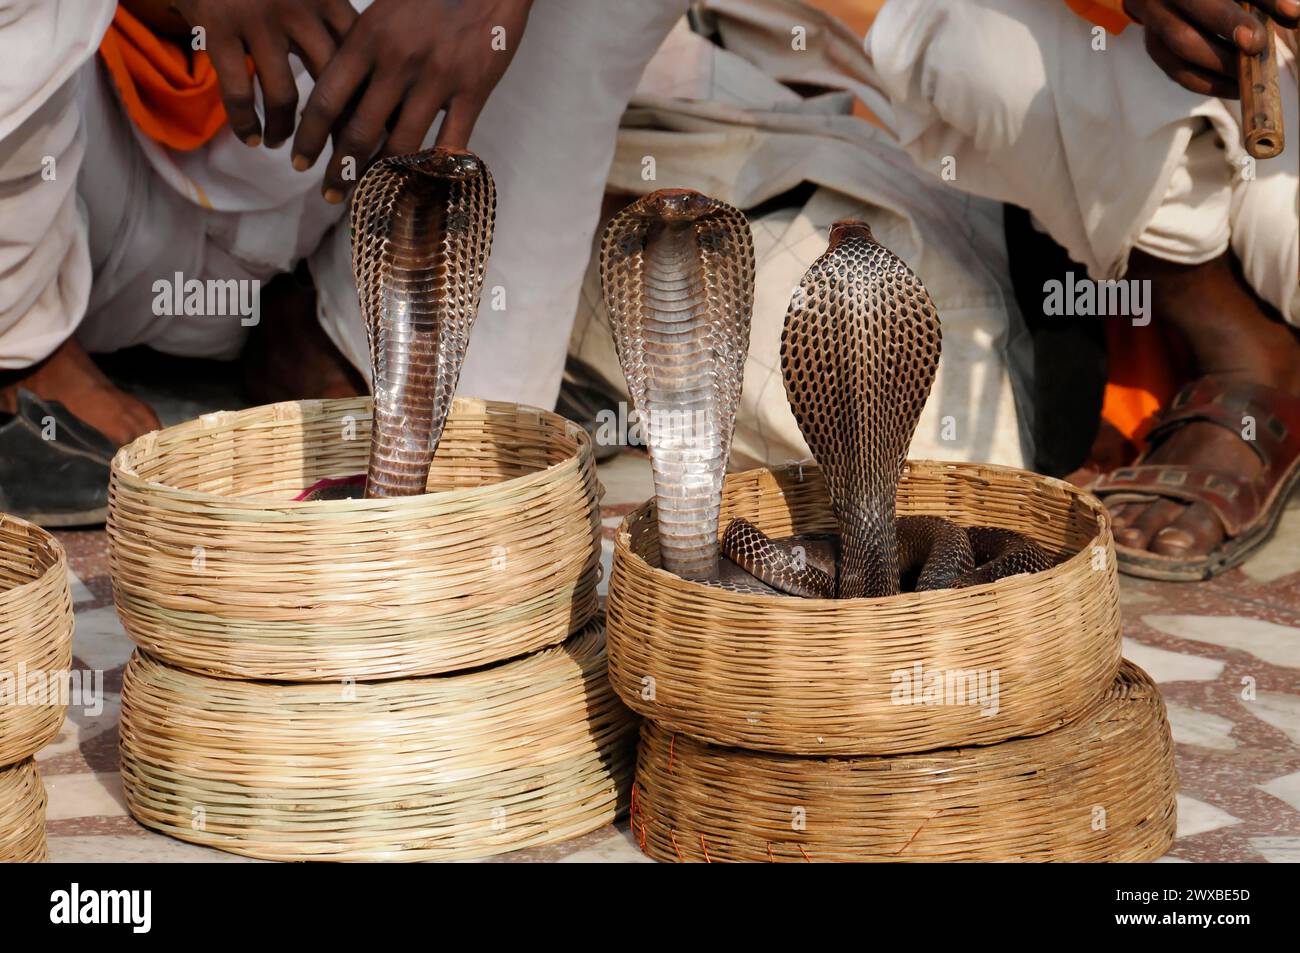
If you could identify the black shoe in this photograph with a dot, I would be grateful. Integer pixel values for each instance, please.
(587, 398)
(53, 470)
(67, 426)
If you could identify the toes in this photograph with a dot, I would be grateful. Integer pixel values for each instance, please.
(1153, 518)
(1123, 514)
(1194, 533)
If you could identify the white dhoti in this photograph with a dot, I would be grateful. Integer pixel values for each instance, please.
(722, 120)
(1014, 99)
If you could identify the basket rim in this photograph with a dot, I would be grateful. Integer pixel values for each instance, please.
(46, 539)
(623, 543)
(229, 419)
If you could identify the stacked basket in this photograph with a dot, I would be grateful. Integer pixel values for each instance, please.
(990, 723)
(404, 679)
(35, 656)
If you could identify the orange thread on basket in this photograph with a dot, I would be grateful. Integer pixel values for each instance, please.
(672, 744)
(673, 835)
(804, 852)
(918, 831)
(643, 837)
(705, 847)
(771, 859)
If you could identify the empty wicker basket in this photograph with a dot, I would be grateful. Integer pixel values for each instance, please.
(1020, 656)
(35, 638)
(527, 752)
(216, 570)
(22, 814)
(1099, 789)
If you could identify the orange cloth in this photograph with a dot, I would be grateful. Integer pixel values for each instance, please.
(1107, 13)
(171, 94)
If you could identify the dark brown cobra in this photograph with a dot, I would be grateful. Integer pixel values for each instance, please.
(677, 270)
(859, 354)
(421, 236)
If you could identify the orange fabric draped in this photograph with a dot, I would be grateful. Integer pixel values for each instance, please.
(1107, 13)
(1146, 369)
(170, 93)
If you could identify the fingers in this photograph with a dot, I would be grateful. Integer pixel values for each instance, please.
(1285, 12)
(462, 113)
(236, 89)
(315, 45)
(339, 15)
(417, 116)
(338, 83)
(360, 137)
(1205, 51)
(1191, 77)
(1226, 19)
(279, 91)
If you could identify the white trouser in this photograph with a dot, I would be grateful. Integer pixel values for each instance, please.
(1104, 150)
(130, 213)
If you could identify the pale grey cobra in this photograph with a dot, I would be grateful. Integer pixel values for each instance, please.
(421, 236)
(859, 353)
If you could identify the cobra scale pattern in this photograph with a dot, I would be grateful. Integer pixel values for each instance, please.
(421, 236)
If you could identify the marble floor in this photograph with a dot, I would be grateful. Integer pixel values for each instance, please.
(1226, 654)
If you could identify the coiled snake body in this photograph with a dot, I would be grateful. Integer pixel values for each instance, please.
(859, 353)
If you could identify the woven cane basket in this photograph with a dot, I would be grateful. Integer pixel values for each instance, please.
(35, 638)
(22, 814)
(808, 676)
(1099, 789)
(216, 570)
(528, 752)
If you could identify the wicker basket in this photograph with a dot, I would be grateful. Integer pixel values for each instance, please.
(808, 676)
(1099, 789)
(217, 571)
(528, 752)
(35, 638)
(22, 814)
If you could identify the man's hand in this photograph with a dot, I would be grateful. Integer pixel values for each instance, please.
(1197, 42)
(402, 63)
(268, 31)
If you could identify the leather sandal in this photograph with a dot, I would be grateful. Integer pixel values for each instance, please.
(1249, 508)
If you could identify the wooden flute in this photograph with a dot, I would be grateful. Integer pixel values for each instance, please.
(1261, 95)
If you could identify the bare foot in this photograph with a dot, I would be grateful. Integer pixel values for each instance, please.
(1233, 336)
(289, 356)
(73, 379)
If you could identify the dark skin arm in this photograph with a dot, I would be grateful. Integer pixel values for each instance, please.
(1197, 42)
(268, 31)
(402, 63)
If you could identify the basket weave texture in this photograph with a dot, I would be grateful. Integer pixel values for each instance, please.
(1099, 789)
(22, 814)
(527, 752)
(35, 638)
(844, 676)
(216, 570)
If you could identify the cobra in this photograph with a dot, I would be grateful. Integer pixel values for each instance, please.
(859, 353)
(421, 235)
